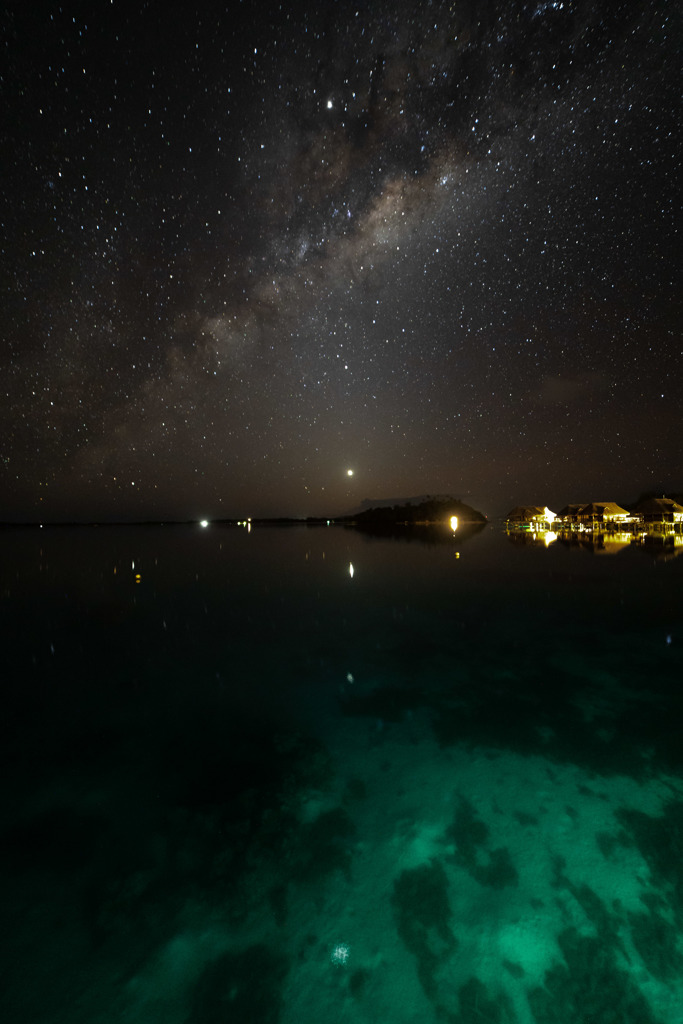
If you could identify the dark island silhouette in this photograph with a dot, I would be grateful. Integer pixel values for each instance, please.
(423, 511)
(430, 520)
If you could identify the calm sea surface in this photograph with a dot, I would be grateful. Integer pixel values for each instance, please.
(302, 775)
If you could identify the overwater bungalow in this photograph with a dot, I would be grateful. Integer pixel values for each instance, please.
(603, 512)
(595, 517)
(570, 513)
(530, 517)
(660, 510)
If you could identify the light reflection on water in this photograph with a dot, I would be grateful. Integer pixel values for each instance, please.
(228, 757)
(662, 542)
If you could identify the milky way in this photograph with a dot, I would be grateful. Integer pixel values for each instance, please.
(245, 251)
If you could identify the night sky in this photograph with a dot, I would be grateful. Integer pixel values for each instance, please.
(246, 249)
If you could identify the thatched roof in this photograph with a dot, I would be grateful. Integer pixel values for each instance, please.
(524, 513)
(603, 508)
(661, 506)
(571, 510)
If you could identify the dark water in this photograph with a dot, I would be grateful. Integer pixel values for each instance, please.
(242, 784)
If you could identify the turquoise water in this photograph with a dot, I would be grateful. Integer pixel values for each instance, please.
(306, 774)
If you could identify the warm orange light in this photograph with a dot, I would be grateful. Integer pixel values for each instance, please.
(454, 523)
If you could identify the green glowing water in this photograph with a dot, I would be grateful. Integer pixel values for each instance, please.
(242, 783)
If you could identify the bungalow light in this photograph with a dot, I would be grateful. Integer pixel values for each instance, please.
(454, 523)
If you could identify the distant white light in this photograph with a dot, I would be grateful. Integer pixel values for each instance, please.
(349, 472)
(329, 104)
(351, 569)
(204, 522)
